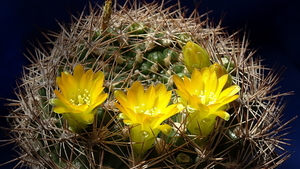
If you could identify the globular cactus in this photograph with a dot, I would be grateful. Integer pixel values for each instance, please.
(142, 86)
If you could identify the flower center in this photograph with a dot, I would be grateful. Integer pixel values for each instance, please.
(143, 110)
(207, 98)
(81, 97)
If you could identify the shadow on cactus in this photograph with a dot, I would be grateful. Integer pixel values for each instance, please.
(142, 86)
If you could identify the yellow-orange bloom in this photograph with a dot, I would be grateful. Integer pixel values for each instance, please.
(204, 98)
(195, 56)
(145, 110)
(79, 95)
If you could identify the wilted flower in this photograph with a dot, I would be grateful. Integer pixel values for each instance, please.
(79, 95)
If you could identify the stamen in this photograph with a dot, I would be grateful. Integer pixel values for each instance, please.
(82, 97)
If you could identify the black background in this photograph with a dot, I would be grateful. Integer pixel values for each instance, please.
(272, 26)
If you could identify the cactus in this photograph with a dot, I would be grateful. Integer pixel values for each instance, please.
(138, 69)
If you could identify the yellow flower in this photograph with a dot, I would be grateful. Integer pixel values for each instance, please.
(144, 111)
(204, 98)
(79, 95)
(195, 56)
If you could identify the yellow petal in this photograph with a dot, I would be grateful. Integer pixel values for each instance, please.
(163, 100)
(221, 83)
(215, 107)
(226, 100)
(99, 100)
(98, 76)
(85, 81)
(120, 94)
(149, 98)
(78, 72)
(67, 86)
(56, 102)
(178, 82)
(183, 97)
(137, 91)
(218, 69)
(61, 97)
(206, 73)
(71, 85)
(121, 97)
(211, 85)
(97, 83)
(79, 109)
(94, 94)
(230, 91)
(165, 128)
(197, 83)
(223, 114)
(60, 110)
(66, 93)
(160, 90)
(127, 112)
(58, 80)
(132, 99)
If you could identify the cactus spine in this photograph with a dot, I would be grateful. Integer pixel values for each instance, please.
(144, 43)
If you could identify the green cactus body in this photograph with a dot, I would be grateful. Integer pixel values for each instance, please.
(145, 44)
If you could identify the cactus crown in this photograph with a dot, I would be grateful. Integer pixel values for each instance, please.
(142, 86)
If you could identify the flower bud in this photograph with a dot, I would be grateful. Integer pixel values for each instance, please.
(195, 56)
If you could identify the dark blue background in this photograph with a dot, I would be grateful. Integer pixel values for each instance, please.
(273, 27)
